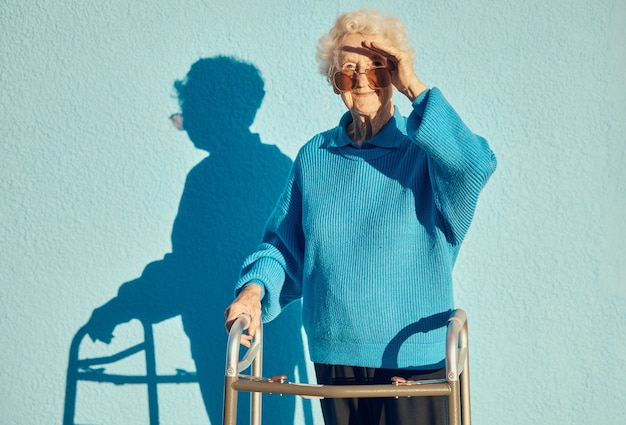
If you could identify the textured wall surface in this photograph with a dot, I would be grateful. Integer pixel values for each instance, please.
(91, 174)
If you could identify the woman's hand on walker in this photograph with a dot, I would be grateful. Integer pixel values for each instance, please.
(247, 302)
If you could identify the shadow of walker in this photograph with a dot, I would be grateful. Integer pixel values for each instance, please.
(225, 202)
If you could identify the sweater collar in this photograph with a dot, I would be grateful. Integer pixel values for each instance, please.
(385, 138)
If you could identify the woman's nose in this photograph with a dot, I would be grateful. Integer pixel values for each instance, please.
(361, 79)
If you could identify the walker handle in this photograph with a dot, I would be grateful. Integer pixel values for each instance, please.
(456, 345)
(233, 365)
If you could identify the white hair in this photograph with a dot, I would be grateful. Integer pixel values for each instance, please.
(362, 21)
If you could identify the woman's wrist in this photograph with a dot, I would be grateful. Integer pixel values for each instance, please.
(253, 289)
(414, 90)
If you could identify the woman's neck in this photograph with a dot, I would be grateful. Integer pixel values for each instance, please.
(364, 127)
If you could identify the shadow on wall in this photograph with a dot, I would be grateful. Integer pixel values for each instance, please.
(226, 201)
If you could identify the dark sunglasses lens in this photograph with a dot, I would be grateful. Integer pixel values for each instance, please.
(344, 80)
(379, 77)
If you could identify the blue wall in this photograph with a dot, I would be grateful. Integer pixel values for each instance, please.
(92, 173)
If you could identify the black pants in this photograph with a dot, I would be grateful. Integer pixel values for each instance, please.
(380, 411)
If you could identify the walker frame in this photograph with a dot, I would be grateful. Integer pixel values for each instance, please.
(455, 386)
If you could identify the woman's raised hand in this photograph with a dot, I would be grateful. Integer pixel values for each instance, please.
(403, 75)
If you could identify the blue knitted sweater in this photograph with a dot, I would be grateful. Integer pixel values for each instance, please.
(369, 237)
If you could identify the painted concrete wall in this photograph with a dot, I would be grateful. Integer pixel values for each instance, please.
(92, 173)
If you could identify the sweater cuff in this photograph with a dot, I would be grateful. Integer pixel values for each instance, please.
(265, 272)
(419, 104)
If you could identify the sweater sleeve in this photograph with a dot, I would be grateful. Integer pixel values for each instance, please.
(277, 263)
(459, 161)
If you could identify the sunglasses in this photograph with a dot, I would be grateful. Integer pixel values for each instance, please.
(377, 78)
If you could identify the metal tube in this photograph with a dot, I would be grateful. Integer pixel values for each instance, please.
(229, 416)
(455, 326)
(466, 413)
(230, 402)
(454, 404)
(342, 391)
(234, 340)
(257, 370)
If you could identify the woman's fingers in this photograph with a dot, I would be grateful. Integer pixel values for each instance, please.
(246, 340)
(384, 50)
(403, 75)
(247, 302)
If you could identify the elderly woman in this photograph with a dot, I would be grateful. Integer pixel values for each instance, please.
(369, 226)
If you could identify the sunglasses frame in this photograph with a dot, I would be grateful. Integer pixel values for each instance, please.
(355, 77)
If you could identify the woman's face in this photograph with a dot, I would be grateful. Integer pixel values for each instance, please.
(363, 100)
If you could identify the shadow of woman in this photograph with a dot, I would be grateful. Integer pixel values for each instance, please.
(226, 199)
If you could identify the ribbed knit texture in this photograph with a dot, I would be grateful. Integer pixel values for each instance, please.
(369, 237)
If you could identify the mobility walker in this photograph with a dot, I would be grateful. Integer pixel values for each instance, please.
(455, 386)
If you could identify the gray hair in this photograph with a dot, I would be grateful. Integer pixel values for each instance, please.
(362, 21)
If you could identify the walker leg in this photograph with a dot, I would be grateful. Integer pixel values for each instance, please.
(465, 381)
(230, 402)
(255, 397)
(454, 404)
